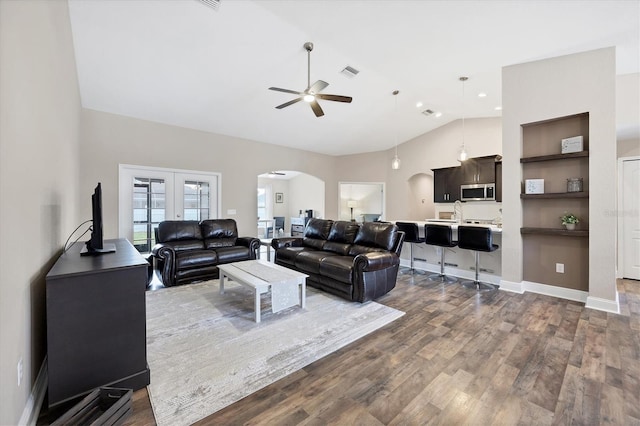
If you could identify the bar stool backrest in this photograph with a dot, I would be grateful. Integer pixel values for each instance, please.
(411, 232)
(476, 238)
(439, 235)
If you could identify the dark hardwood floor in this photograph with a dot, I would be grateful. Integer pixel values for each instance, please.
(459, 357)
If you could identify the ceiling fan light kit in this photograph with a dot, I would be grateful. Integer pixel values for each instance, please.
(312, 93)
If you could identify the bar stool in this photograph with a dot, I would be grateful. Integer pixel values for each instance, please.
(441, 236)
(476, 238)
(411, 236)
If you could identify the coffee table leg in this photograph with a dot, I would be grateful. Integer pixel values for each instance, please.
(303, 295)
(222, 276)
(256, 306)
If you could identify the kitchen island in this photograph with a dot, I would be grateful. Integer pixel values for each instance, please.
(458, 262)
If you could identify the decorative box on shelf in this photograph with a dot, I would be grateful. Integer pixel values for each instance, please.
(534, 186)
(573, 144)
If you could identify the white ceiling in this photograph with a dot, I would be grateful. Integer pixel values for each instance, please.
(183, 63)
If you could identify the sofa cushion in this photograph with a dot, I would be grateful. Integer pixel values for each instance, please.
(185, 245)
(309, 260)
(189, 259)
(316, 233)
(339, 268)
(288, 254)
(219, 233)
(341, 237)
(374, 236)
(178, 230)
(232, 254)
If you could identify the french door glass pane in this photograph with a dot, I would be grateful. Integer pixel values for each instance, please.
(149, 203)
(196, 200)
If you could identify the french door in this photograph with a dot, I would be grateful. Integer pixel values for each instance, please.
(149, 196)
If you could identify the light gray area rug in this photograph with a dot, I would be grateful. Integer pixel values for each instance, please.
(206, 352)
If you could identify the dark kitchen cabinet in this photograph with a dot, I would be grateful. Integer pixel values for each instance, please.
(499, 181)
(479, 170)
(446, 184)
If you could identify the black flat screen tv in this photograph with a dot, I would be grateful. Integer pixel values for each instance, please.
(96, 246)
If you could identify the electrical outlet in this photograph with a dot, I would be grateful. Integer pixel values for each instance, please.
(560, 268)
(231, 212)
(20, 371)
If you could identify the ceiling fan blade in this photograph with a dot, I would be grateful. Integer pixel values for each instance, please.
(317, 87)
(277, 89)
(315, 106)
(286, 104)
(336, 98)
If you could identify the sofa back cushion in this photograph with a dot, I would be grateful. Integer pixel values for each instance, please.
(316, 233)
(178, 230)
(219, 233)
(180, 234)
(341, 237)
(374, 236)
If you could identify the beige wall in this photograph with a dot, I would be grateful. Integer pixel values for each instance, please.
(558, 87)
(628, 114)
(108, 140)
(436, 149)
(39, 121)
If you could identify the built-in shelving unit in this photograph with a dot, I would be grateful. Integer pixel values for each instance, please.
(555, 195)
(556, 232)
(545, 242)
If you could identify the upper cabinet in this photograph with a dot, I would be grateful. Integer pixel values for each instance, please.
(447, 181)
(480, 169)
(446, 184)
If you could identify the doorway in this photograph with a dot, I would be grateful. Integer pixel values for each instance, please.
(361, 201)
(148, 196)
(629, 252)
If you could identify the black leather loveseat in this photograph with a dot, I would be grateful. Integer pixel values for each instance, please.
(190, 251)
(356, 262)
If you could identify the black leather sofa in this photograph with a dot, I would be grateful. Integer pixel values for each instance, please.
(357, 262)
(188, 251)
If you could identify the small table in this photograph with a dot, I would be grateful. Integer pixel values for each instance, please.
(263, 277)
(267, 243)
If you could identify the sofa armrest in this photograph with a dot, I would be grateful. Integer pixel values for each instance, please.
(375, 261)
(252, 243)
(278, 243)
(167, 262)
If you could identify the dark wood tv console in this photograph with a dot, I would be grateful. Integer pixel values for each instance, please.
(96, 322)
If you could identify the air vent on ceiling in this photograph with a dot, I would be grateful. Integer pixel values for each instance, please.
(213, 4)
(428, 112)
(349, 71)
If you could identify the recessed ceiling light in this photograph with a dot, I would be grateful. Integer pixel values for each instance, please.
(482, 95)
(438, 114)
(418, 104)
(498, 108)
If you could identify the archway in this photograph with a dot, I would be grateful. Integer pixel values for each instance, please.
(420, 203)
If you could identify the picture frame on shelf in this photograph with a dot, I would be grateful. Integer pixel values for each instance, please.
(279, 197)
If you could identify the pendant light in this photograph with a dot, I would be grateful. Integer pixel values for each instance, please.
(462, 155)
(395, 163)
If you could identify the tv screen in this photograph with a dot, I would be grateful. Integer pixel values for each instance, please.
(96, 245)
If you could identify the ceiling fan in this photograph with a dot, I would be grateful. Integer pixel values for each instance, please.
(312, 93)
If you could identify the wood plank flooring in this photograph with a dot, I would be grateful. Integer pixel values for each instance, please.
(461, 357)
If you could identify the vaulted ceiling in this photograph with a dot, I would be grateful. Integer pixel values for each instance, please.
(188, 64)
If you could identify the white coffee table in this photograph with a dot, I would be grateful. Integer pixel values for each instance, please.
(262, 277)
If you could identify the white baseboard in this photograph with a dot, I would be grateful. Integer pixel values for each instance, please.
(606, 305)
(511, 286)
(591, 302)
(552, 290)
(34, 403)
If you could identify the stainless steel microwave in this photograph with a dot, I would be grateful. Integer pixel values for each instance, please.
(478, 192)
